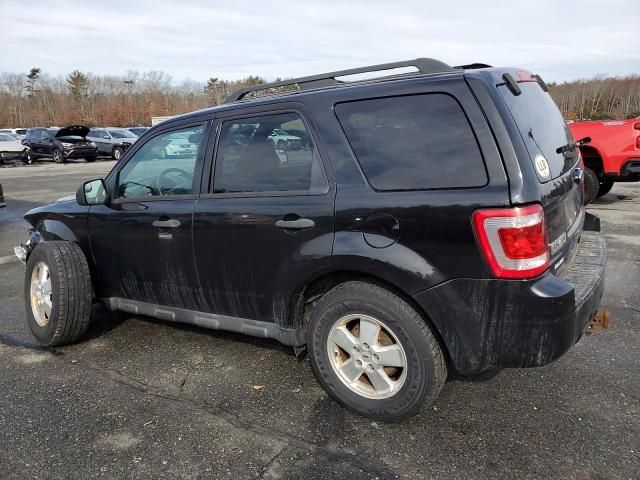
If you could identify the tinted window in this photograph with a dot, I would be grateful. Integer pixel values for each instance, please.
(165, 165)
(413, 142)
(268, 154)
(541, 126)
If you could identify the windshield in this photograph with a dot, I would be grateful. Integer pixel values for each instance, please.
(542, 127)
(121, 134)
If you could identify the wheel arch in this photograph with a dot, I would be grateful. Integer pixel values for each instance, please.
(593, 159)
(311, 291)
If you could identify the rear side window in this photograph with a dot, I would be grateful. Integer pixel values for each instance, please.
(269, 153)
(413, 142)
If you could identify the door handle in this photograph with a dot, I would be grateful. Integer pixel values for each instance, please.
(171, 223)
(299, 224)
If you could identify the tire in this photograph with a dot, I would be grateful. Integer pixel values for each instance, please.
(117, 153)
(605, 187)
(68, 291)
(29, 158)
(591, 186)
(412, 386)
(58, 157)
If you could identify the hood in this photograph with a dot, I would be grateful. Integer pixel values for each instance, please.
(68, 198)
(74, 130)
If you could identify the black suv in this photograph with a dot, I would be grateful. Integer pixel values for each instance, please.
(430, 222)
(59, 144)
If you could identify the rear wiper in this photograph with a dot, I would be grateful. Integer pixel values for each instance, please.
(570, 147)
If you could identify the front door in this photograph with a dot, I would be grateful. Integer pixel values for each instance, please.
(267, 223)
(142, 238)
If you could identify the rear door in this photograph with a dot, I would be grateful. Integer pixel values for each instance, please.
(266, 224)
(548, 142)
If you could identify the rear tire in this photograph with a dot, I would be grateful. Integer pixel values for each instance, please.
(57, 293)
(384, 387)
(605, 187)
(591, 186)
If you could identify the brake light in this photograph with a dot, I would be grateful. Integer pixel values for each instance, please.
(513, 241)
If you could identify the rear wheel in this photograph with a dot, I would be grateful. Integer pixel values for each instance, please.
(605, 187)
(591, 186)
(374, 353)
(117, 153)
(57, 156)
(57, 293)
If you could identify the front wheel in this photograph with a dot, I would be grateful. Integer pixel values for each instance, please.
(57, 293)
(605, 187)
(117, 153)
(29, 158)
(374, 353)
(58, 157)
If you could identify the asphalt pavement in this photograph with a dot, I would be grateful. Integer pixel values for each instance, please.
(142, 398)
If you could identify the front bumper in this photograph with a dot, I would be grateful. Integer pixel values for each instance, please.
(492, 323)
(80, 152)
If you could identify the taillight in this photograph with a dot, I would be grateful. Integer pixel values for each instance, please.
(513, 241)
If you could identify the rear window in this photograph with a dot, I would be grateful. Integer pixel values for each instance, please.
(542, 127)
(415, 142)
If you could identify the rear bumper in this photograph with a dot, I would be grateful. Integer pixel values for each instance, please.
(629, 172)
(493, 323)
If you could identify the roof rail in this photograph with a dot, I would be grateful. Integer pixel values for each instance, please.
(423, 65)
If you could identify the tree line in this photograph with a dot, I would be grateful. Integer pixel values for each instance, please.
(38, 99)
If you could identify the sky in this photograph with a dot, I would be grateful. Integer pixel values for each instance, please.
(197, 39)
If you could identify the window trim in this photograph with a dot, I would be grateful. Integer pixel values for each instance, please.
(270, 193)
(197, 171)
(383, 97)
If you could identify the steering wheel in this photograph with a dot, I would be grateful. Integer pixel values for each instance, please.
(164, 176)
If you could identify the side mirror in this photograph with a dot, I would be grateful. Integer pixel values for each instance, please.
(93, 192)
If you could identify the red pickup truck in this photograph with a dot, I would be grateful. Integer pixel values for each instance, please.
(613, 155)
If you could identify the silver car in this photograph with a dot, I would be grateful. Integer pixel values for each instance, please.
(112, 141)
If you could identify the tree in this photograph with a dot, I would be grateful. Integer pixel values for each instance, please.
(32, 78)
(77, 83)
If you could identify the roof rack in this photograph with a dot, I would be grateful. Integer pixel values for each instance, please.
(423, 65)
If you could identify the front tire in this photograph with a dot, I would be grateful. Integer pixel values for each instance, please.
(57, 293)
(58, 157)
(29, 159)
(605, 187)
(591, 186)
(374, 353)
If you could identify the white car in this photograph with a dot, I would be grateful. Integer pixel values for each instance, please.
(11, 148)
(283, 140)
(20, 132)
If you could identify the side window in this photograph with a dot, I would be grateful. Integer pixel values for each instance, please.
(413, 142)
(163, 166)
(270, 153)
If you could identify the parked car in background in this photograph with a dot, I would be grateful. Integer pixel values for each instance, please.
(112, 141)
(283, 140)
(59, 144)
(20, 132)
(138, 131)
(612, 155)
(11, 148)
(2, 202)
(432, 226)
